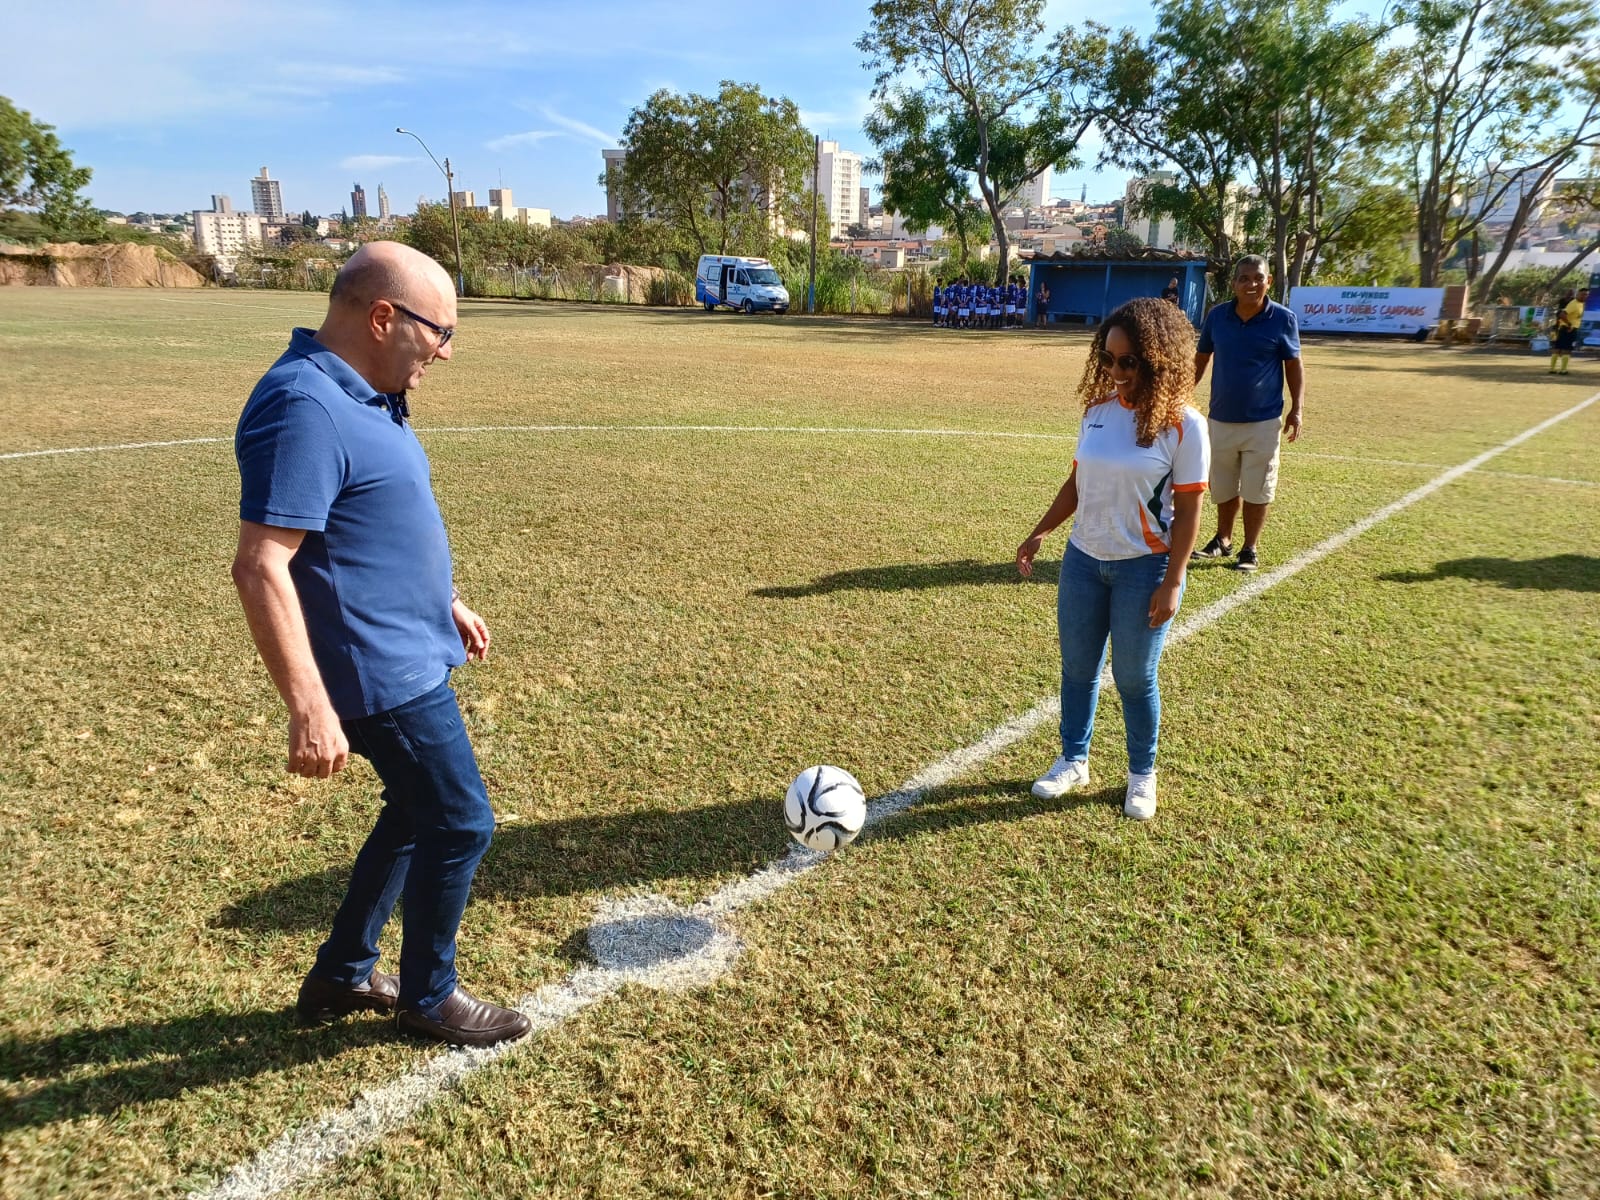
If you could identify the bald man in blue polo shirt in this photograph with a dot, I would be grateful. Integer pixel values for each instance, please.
(1257, 346)
(344, 571)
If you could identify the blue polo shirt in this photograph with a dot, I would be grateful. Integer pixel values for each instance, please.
(1247, 370)
(320, 450)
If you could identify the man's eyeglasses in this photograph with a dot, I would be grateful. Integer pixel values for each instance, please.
(1128, 362)
(445, 332)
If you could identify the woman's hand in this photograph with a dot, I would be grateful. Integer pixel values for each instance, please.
(1025, 553)
(1164, 602)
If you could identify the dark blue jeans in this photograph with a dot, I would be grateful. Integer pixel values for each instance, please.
(1101, 600)
(434, 827)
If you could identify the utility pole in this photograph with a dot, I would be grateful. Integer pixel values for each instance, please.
(450, 190)
(816, 184)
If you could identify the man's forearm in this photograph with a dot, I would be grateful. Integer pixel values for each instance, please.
(272, 610)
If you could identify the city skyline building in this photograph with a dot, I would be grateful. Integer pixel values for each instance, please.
(266, 198)
(839, 182)
(383, 204)
(226, 235)
(358, 202)
(1035, 193)
(502, 207)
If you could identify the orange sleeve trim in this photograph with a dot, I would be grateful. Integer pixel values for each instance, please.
(1188, 487)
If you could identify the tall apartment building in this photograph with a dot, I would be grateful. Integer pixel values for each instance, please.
(221, 204)
(358, 202)
(226, 235)
(1036, 192)
(1160, 232)
(839, 182)
(614, 160)
(466, 199)
(383, 204)
(266, 198)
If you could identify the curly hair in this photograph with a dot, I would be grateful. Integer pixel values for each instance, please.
(1163, 341)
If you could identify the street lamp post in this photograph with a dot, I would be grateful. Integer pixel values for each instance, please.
(450, 190)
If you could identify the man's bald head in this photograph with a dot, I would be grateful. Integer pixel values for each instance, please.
(390, 314)
(389, 271)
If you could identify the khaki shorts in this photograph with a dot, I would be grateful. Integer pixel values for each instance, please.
(1244, 460)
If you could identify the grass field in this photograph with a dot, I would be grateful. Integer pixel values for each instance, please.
(1356, 954)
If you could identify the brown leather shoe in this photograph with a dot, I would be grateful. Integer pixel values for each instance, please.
(464, 1020)
(321, 1000)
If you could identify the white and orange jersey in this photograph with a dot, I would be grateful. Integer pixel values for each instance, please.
(1125, 490)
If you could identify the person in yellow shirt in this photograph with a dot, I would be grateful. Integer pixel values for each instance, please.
(1569, 320)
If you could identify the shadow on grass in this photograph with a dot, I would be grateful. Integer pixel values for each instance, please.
(913, 577)
(834, 326)
(99, 1071)
(1492, 366)
(626, 850)
(1558, 573)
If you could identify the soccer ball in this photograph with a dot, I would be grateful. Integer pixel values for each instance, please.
(824, 808)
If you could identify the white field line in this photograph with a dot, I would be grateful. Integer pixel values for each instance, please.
(201, 441)
(874, 431)
(307, 1150)
(831, 430)
(423, 431)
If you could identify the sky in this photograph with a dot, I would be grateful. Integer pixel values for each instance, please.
(171, 101)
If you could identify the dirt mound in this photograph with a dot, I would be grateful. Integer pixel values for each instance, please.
(73, 265)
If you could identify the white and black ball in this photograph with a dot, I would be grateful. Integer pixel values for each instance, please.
(824, 808)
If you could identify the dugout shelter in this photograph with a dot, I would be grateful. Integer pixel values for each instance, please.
(1085, 288)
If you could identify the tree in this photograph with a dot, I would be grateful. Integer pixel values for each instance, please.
(1121, 243)
(923, 184)
(1505, 93)
(37, 173)
(985, 73)
(728, 171)
(1180, 101)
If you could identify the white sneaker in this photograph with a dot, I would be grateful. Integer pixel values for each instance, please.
(1140, 803)
(1062, 777)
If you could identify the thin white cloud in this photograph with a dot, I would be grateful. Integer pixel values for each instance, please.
(334, 75)
(846, 119)
(578, 127)
(376, 162)
(531, 138)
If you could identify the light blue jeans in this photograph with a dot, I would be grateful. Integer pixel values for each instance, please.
(1102, 600)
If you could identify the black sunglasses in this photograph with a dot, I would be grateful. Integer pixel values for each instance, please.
(445, 333)
(1128, 362)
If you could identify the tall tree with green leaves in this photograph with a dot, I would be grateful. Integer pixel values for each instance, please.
(1181, 101)
(1278, 122)
(37, 174)
(923, 184)
(729, 171)
(1504, 94)
(988, 74)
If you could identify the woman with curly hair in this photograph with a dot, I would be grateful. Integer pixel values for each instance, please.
(1135, 490)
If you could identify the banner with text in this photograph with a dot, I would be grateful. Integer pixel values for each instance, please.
(1366, 310)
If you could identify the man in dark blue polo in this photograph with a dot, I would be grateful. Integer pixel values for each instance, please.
(1257, 345)
(344, 571)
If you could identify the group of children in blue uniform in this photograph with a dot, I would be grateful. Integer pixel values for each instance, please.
(963, 305)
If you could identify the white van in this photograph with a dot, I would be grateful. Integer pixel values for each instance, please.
(748, 284)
